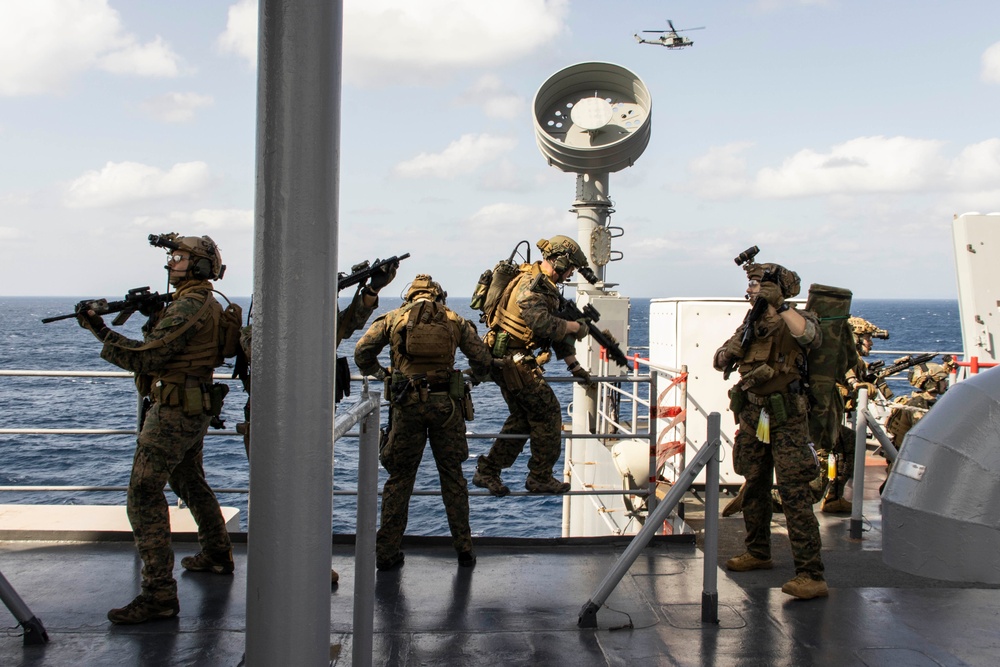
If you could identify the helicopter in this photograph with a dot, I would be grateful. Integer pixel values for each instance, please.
(668, 38)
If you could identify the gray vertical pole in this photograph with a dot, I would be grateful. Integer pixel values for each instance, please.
(710, 592)
(861, 437)
(654, 427)
(295, 305)
(364, 545)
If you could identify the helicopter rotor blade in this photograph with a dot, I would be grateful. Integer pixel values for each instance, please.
(652, 31)
(671, 24)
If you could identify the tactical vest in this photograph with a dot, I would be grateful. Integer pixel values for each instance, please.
(508, 313)
(773, 346)
(424, 339)
(202, 353)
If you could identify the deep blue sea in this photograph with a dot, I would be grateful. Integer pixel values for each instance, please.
(70, 460)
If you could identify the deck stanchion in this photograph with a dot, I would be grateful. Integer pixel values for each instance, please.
(588, 614)
(860, 439)
(710, 588)
(364, 544)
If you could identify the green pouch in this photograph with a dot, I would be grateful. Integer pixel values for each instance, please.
(500, 344)
(779, 415)
(456, 388)
(737, 401)
(192, 401)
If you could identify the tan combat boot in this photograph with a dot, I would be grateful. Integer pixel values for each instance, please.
(746, 561)
(836, 506)
(805, 587)
(545, 484)
(144, 608)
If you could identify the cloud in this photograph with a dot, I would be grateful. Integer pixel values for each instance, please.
(45, 43)
(496, 101)
(859, 166)
(462, 156)
(977, 167)
(865, 164)
(124, 182)
(204, 219)
(10, 233)
(390, 42)
(240, 36)
(991, 64)
(153, 59)
(175, 107)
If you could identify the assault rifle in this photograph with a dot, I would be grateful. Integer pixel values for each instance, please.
(568, 310)
(362, 272)
(877, 370)
(139, 298)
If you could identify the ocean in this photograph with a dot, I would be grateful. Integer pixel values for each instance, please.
(110, 403)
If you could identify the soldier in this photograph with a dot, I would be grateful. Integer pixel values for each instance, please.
(349, 320)
(843, 449)
(174, 364)
(428, 402)
(773, 438)
(930, 381)
(525, 322)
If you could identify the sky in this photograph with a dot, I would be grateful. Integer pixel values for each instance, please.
(840, 136)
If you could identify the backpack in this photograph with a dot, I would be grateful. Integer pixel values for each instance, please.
(491, 285)
(828, 364)
(230, 325)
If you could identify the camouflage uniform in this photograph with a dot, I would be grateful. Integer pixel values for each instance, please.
(169, 446)
(788, 456)
(534, 408)
(930, 380)
(423, 407)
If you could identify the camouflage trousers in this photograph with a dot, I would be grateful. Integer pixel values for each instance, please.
(440, 420)
(535, 410)
(789, 459)
(169, 450)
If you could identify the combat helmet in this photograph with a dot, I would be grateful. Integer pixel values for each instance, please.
(787, 279)
(563, 253)
(929, 377)
(424, 285)
(206, 260)
(862, 327)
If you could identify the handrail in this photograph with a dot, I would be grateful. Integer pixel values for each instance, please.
(345, 420)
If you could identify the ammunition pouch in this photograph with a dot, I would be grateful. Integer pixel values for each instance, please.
(456, 387)
(777, 409)
(737, 401)
(500, 344)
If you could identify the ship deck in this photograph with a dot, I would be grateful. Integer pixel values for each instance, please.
(521, 603)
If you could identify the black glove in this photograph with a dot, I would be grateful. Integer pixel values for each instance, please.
(771, 292)
(383, 275)
(93, 322)
(579, 371)
(150, 308)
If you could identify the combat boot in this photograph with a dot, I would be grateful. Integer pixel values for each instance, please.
(545, 484)
(390, 562)
(220, 562)
(805, 587)
(836, 506)
(467, 558)
(735, 506)
(334, 578)
(485, 478)
(144, 608)
(746, 561)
